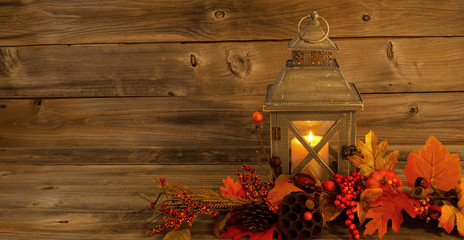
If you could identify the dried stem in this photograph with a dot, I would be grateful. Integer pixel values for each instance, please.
(261, 142)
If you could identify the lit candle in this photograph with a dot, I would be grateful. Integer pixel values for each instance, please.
(298, 153)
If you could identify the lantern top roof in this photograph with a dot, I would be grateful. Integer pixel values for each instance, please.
(312, 37)
(308, 83)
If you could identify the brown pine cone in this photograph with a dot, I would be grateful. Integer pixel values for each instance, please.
(257, 217)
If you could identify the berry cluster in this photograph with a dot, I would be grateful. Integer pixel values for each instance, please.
(173, 217)
(426, 209)
(423, 210)
(254, 189)
(350, 188)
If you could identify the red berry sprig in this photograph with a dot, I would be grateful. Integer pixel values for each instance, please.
(350, 187)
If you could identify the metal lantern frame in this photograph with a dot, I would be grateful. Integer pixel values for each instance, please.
(311, 88)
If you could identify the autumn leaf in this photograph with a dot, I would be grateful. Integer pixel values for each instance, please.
(232, 188)
(183, 234)
(434, 163)
(371, 158)
(329, 210)
(454, 216)
(367, 197)
(283, 187)
(220, 224)
(388, 207)
(236, 232)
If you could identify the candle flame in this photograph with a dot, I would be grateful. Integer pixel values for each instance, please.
(309, 138)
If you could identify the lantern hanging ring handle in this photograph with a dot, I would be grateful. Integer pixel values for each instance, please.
(315, 16)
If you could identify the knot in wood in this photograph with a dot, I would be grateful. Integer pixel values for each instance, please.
(219, 14)
(238, 63)
(366, 17)
(413, 109)
(9, 60)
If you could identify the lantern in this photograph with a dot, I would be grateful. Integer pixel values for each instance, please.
(312, 107)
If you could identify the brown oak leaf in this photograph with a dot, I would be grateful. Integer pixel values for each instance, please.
(371, 158)
(388, 207)
(434, 163)
(454, 215)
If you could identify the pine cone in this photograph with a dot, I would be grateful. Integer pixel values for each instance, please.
(257, 217)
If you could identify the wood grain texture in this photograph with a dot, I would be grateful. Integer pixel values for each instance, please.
(240, 68)
(90, 21)
(179, 130)
(103, 201)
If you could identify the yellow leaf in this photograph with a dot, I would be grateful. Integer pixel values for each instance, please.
(454, 216)
(371, 158)
(281, 178)
(460, 192)
(448, 217)
(183, 234)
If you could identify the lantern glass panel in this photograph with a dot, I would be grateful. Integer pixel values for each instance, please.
(313, 132)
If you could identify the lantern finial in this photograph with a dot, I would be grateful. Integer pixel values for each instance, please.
(314, 15)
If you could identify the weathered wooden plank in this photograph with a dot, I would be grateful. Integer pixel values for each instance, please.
(197, 129)
(101, 201)
(406, 119)
(240, 68)
(71, 22)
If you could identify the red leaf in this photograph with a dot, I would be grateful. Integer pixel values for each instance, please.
(389, 207)
(236, 232)
(232, 188)
(434, 163)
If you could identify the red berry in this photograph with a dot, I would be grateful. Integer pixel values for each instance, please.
(347, 222)
(275, 161)
(329, 185)
(351, 217)
(434, 212)
(337, 202)
(356, 237)
(421, 182)
(355, 232)
(352, 226)
(308, 216)
(342, 205)
(257, 117)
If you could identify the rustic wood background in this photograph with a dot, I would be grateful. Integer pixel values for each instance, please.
(98, 96)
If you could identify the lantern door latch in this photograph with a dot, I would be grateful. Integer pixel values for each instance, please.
(350, 151)
(276, 134)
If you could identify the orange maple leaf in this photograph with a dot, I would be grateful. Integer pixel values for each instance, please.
(389, 207)
(434, 163)
(232, 188)
(454, 215)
